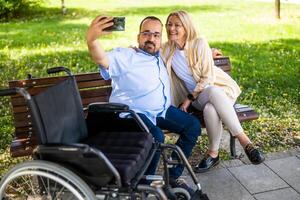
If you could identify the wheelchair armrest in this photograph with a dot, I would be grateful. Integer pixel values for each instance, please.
(107, 107)
(95, 110)
(53, 148)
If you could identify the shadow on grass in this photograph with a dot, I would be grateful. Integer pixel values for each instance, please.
(29, 30)
(55, 32)
(145, 11)
(78, 61)
(44, 13)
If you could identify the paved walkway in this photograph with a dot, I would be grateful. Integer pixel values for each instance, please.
(278, 178)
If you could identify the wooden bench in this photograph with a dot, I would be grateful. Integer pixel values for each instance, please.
(92, 89)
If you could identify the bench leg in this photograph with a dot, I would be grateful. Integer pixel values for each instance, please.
(232, 146)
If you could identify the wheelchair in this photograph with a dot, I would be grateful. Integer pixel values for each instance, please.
(103, 155)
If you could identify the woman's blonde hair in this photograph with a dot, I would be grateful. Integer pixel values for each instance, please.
(190, 47)
(187, 24)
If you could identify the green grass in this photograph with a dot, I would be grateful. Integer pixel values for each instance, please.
(265, 53)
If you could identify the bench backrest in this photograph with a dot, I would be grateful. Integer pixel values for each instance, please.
(92, 89)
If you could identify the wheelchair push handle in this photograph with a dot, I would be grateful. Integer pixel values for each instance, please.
(59, 69)
(8, 92)
(14, 91)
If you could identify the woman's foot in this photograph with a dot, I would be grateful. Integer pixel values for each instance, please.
(207, 163)
(255, 156)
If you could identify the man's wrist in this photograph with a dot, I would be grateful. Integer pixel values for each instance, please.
(91, 43)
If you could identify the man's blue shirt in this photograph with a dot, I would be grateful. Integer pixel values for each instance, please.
(139, 80)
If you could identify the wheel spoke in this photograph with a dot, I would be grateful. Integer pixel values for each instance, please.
(10, 188)
(59, 192)
(31, 179)
(48, 187)
(24, 182)
(45, 189)
(54, 189)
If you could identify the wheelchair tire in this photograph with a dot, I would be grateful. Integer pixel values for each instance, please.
(43, 180)
(181, 194)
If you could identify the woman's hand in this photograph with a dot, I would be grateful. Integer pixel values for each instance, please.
(216, 53)
(185, 105)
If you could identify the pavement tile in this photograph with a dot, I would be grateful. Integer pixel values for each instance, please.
(284, 154)
(219, 184)
(282, 194)
(257, 178)
(232, 163)
(288, 169)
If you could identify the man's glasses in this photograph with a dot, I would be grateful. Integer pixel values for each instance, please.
(149, 34)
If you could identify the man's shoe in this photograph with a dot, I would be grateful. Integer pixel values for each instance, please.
(181, 183)
(255, 156)
(206, 163)
(199, 195)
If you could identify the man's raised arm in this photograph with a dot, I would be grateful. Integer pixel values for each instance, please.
(96, 30)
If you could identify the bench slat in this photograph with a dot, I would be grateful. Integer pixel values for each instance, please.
(247, 116)
(97, 92)
(19, 147)
(88, 101)
(226, 68)
(90, 84)
(55, 79)
(90, 92)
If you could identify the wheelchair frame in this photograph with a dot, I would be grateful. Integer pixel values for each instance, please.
(47, 175)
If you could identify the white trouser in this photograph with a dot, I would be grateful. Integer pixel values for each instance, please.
(217, 107)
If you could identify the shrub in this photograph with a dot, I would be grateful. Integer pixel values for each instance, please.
(13, 8)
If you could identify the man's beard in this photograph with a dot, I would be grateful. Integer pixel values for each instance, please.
(149, 50)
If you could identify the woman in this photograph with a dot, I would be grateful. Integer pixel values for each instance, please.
(198, 82)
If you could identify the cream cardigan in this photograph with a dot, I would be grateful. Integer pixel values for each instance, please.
(204, 72)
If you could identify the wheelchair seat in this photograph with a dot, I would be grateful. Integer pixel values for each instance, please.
(127, 151)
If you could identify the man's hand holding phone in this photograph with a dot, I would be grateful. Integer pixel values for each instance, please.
(103, 25)
(97, 27)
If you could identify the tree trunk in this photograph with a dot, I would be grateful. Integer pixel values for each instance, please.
(277, 9)
(63, 7)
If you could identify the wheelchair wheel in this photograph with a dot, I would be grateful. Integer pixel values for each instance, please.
(181, 194)
(43, 180)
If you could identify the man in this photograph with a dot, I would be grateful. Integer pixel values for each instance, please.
(140, 80)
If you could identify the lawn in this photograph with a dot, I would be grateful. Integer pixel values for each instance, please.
(265, 53)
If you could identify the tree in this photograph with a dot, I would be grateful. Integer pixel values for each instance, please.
(63, 7)
(277, 9)
(13, 8)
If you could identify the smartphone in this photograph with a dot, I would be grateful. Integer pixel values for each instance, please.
(119, 24)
